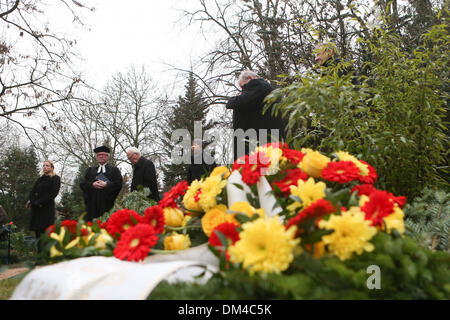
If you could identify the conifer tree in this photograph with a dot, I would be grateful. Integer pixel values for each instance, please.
(189, 108)
(17, 177)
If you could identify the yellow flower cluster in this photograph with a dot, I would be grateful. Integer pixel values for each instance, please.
(246, 208)
(351, 233)
(211, 187)
(214, 217)
(100, 242)
(264, 246)
(189, 201)
(313, 163)
(345, 156)
(173, 217)
(308, 192)
(275, 155)
(177, 241)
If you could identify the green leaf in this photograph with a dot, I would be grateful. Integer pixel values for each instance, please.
(315, 236)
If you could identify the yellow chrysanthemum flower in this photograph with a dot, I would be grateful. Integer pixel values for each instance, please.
(264, 246)
(313, 163)
(177, 241)
(245, 207)
(220, 171)
(173, 217)
(274, 155)
(214, 217)
(351, 233)
(308, 192)
(189, 197)
(395, 220)
(211, 187)
(345, 156)
(362, 200)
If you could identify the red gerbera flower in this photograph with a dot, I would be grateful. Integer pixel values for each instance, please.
(292, 177)
(154, 216)
(293, 156)
(364, 189)
(136, 243)
(70, 225)
(400, 200)
(121, 220)
(371, 177)
(240, 162)
(169, 197)
(379, 206)
(50, 229)
(228, 229)
(316, 210)
(340, 171)
(255, 168)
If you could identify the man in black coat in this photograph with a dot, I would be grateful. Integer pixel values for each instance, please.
(198, 167)
(248, 112)
(144, 173)
(101, 185)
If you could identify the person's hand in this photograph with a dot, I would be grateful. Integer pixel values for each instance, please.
(96, 185)
(28, 204)
(102, 184)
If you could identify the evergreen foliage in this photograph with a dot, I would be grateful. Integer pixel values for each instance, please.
(427, 219)
(189, 108)
(72, 204)
(136, 201)
(395, 119)
(408, 271)
(17, 177)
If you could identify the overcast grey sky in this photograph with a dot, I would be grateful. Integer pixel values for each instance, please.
(137, 32)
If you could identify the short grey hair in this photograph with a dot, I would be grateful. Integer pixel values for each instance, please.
(133, 150)
(246, 74)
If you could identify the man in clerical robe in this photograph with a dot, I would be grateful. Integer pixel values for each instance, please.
(101, 185)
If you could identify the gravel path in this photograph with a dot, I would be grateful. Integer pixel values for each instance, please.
(12, 272)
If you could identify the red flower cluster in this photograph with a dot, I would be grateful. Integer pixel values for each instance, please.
(136, 243)
(371, 177)
(316, 210)
(228, 229)
(293, 156)
(380, 205)
(367, 189)
(154, 216)
(340, 171)
(292, 177)
(257, 164)
(364, 189)
(121, 220)
(169, 197)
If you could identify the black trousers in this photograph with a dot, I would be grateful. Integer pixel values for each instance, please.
(38, 239)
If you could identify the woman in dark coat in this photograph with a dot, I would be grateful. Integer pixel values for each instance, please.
(42, 200)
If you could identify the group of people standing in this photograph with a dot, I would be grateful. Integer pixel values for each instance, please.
(102, 183)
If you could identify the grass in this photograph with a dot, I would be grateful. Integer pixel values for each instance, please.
(7, 286)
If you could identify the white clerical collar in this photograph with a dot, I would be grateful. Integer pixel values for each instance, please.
(101, 168)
